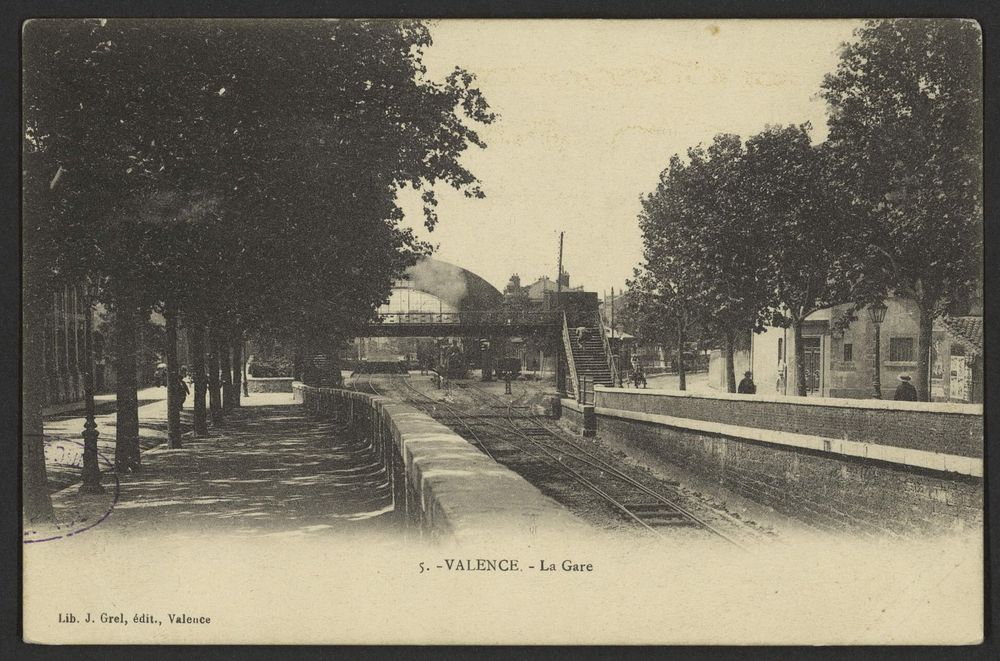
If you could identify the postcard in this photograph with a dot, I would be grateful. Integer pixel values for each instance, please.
(503, 331)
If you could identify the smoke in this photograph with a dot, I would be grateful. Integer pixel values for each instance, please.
(446, 281)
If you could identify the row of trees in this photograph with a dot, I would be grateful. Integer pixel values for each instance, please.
(240, 177)
(740, 234)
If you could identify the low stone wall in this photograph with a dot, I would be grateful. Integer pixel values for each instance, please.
(269, 384)
(442, 484)
(572, 412)
(828, 471)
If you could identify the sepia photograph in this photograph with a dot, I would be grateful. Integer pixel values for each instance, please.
(502, 331)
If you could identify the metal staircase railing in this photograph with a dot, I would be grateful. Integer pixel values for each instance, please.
(607, 350)
(573, 381)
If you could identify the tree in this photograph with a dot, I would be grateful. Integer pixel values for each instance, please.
(905, 105)
(655, 312)
(237, 175)
(801, 221)
(699, 244)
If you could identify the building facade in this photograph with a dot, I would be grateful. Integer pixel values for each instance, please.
(65, 348)
(839, 356)
(65, 342)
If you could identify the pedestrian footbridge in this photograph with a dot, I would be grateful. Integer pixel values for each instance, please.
(466, 323)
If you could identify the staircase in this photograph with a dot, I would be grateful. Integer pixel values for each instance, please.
(590, 356)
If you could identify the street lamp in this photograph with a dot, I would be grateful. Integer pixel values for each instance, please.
(91, 471)
(876, 312)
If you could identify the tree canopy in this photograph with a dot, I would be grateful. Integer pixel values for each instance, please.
(773, 229)
(906, 121)
(255, 162)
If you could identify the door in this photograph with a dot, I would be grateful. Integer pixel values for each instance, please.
(813, 362)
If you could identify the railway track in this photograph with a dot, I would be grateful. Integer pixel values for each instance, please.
(513, 438)
(453, 415)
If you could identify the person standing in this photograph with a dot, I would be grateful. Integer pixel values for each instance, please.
(905, 392)
(747, 386)
(181, 386)
(639, 376)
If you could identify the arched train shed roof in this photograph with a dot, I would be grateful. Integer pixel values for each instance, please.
(454, 285)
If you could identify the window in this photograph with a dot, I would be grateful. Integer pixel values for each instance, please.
(781, 349)
(848, 352)
(901, 349)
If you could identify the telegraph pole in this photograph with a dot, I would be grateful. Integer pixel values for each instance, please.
(559, 274)
(560, 370)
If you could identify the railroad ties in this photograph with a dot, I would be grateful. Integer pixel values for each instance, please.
(512, 436)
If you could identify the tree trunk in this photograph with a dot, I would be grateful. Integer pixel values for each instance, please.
(681, 372)
(37, 502)
(196, 337)
(298, 364)
(126, 387)
(225, 365)
(800, 358)
(214, 394)
(173, 381)
(336, 379)
(730, 361)
(924, 336)
(237, 354)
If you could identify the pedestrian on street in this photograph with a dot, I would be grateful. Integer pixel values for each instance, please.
(639, 376)
(160, 375)
(905, 392)
(747, 386)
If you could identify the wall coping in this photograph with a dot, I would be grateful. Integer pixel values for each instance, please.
(937, 461)
(834, 402)
(463, 493)
(272, 378)
(574, 405)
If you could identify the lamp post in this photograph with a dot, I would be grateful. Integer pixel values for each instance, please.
(876, 312)
(91, 471)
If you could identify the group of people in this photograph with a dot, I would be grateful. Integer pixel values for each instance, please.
(905, 392)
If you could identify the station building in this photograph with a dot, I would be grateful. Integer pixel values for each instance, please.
(429, 287)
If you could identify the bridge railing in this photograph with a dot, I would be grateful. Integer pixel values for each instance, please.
(612, 363)
(573, 381)
(473, 317)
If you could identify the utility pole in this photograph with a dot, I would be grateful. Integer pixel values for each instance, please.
(560, 370)
(616, 354)
(559, 274)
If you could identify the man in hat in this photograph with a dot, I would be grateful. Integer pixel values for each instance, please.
(747, 386)
(905, 392)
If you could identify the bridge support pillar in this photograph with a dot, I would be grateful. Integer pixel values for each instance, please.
(486, 358)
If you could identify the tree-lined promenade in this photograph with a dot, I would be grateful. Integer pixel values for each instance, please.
(239, 177)
(741, 234)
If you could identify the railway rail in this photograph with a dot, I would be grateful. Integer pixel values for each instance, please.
(511, 437)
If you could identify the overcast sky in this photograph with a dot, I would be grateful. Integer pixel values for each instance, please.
(590, 113)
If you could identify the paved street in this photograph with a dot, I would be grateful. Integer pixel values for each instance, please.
(695, 382)
(270, 469)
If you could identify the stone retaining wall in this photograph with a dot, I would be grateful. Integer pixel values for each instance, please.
(873, 467)
(929, 426)
(443, 485)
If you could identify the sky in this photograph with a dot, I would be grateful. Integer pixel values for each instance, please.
(590, 113)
